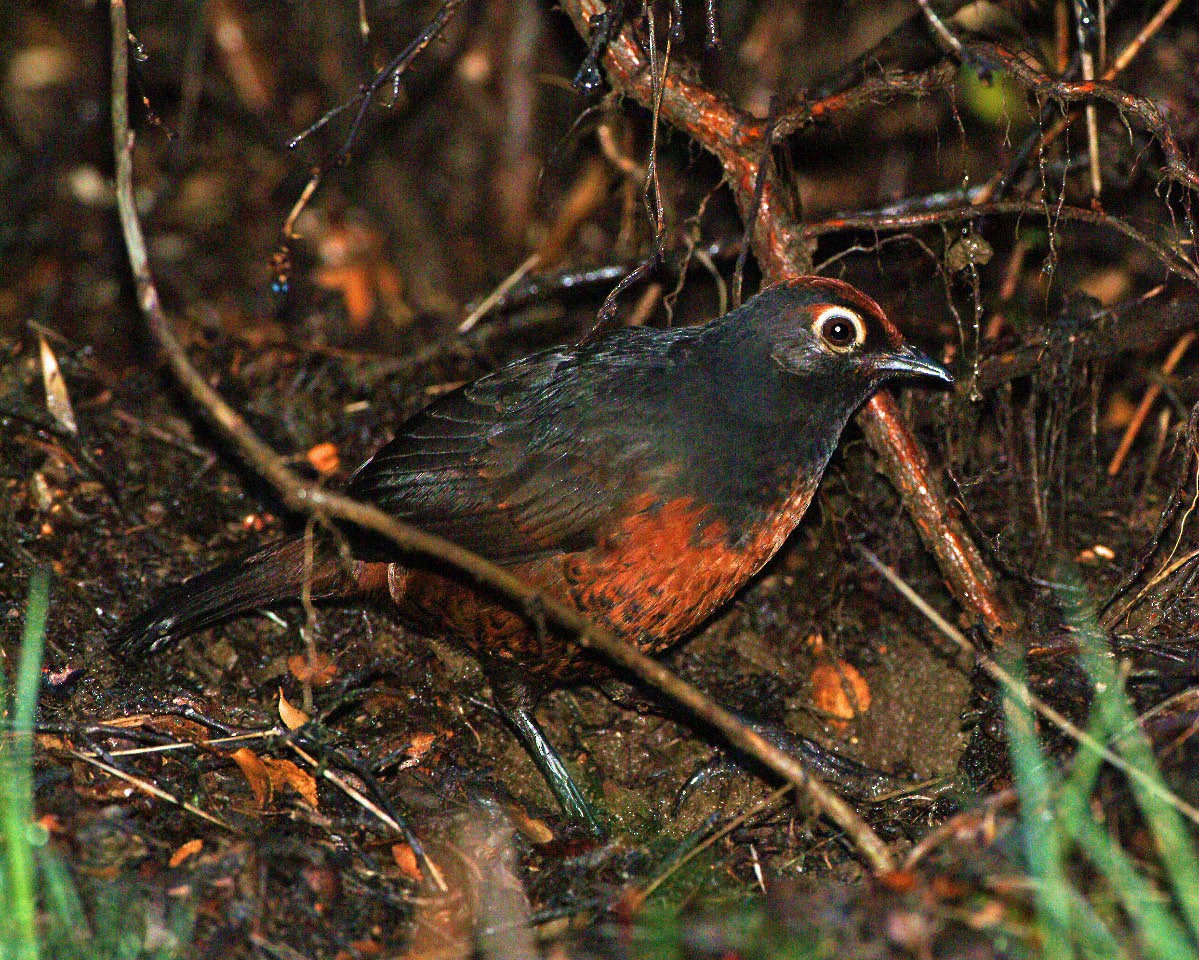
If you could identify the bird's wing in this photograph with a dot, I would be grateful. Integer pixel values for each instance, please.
(535, 459)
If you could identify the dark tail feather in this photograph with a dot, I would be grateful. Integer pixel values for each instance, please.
(272, 574)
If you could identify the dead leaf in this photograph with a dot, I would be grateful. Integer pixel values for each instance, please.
(257, 775)
(58, 401)
(420, 744)
(191, 848)
(839, 691)
(533, 829)
(324, 458)
(320, 671)
(405, 858)
(293, 717)
(357, 289)
(286, 773)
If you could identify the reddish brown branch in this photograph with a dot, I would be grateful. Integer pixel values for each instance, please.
(879, 222)
(871, 91)
(783, 249)
(1139, 325)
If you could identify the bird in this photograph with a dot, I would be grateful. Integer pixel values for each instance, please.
(642, 477)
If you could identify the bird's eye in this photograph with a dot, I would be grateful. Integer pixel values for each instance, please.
(840, 329)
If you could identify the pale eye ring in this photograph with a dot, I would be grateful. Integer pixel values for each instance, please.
(840, 329)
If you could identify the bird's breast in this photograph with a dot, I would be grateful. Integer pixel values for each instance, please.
(669, 564)
(658, 571)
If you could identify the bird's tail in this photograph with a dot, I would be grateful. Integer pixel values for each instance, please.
(272, 574)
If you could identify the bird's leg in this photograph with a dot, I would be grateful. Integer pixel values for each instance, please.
(514, 701)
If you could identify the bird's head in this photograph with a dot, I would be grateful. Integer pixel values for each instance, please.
(824, 329)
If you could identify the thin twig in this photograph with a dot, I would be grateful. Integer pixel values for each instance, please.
(1123, 59)
(371, 807)
(1084, 32)
(1147, 401)
(945, 38)
(145, 785)
(1171, 259)
(530, 263)
(187, 744)
(764, 804)
(393, 71)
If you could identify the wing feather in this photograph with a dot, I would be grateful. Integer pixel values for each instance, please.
(535, 459)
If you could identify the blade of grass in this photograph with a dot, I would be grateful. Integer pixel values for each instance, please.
(1157, 926)
(1095, 940)
(68, 931)
(1159, 929)
(1043, 847)
(19, 928)
(1164, 936)
(1174, 844)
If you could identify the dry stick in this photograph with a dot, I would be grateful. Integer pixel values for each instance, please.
(764, 804)
(362, 99)
(782, 246)
(1156, 22)
(1171, 259)
(945, 38)
(1087, 56)
(370, 806)
(968, 821)
(326, 505)
(1176, 166)
(1147, 402)
(145, 785)
(1137, 325)
(1019, 691)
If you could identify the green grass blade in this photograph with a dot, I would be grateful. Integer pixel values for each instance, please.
(1160, 930)
(68, 933)
(1043, 846)
(1095, 940)
(18, 929)
(1179, 857)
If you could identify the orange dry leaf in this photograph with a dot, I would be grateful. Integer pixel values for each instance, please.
(355, 285)
(320, 671)
(256, 774)
(421, 742)
(405, 858)
(286, 773)
(58, 401)
(266, 774)
(293, 717)
(840, 691)
(534, 829)
(1119, 412)
(324, 458)
(354, 264)
(901, 881)
(186, 850)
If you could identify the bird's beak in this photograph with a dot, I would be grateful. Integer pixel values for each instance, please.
(910, 362)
